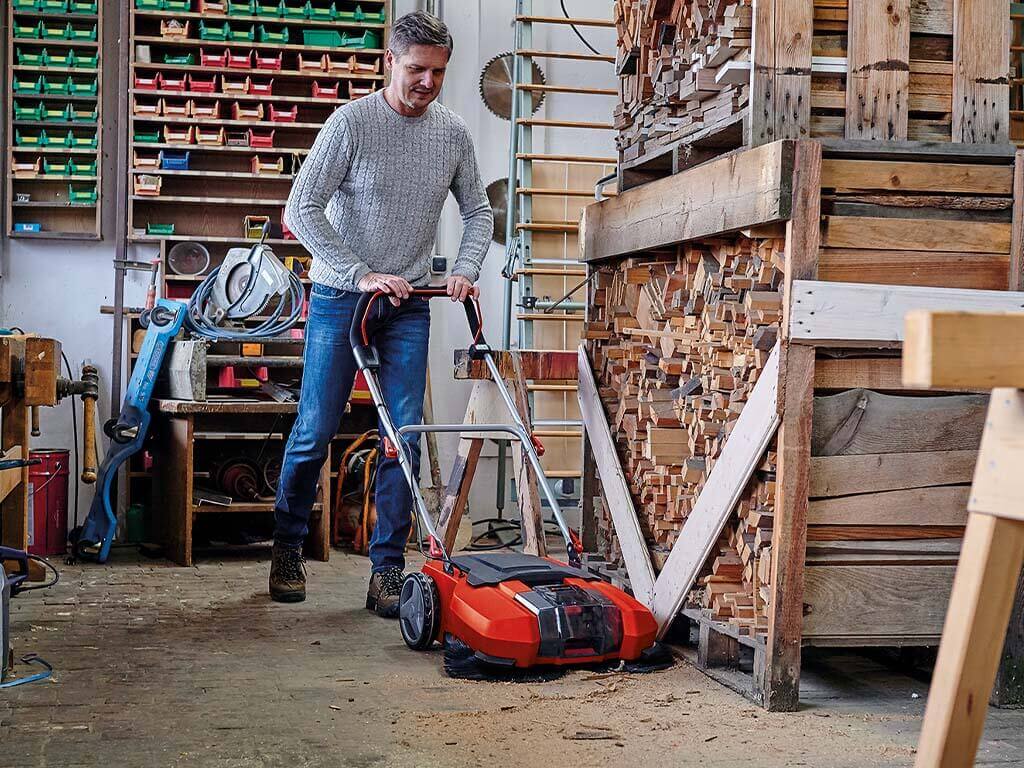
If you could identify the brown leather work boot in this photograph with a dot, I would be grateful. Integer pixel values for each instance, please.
(385, 589)
(287, 575)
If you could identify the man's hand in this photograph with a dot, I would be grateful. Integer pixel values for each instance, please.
(459, 288)
(397, 288)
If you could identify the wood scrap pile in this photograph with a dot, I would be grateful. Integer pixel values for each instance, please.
(677, 340)
(684, 68)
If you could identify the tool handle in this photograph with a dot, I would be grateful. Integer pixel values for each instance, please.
(363, 326)
(89, 439)
(35, 421)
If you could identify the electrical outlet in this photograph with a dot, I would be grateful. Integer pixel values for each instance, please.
(438, 265)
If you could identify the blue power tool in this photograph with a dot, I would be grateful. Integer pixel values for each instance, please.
(128, 431)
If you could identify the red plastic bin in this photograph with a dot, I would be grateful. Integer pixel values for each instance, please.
(324, 92)
(202, 85)
(213, 59)
(262, 89)
(261, 140)
(147, 83)
(240, 60)
(174, 83)
(269, 62)
(284, 116)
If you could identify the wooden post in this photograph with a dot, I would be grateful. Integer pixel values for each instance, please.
(1016, 281)
(780, 92)
(981, 66)
(781, 682)
(588, 490)
(531, 514)
(878, 69)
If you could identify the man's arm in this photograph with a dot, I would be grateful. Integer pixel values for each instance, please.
(305, 214)
(477, 219)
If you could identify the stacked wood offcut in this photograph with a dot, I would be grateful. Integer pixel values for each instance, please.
(684, 69)
(678, 342)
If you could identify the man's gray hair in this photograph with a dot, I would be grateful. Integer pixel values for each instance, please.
(419, 28)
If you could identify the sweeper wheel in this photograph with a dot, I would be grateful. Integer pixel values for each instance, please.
(419, 611)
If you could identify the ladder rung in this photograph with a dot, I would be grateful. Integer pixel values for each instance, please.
(551, 387)
(549, 226)
(538, 191)
(544, 123)
(560, 474)
(541, 317)
(557, 433)
(567, 89)
(565, 55)
(551, 272)
(541, 157)
(564, 20)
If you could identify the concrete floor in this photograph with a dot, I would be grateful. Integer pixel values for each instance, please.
(165, 666)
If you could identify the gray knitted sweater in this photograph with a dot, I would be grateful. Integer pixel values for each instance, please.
(368, 197)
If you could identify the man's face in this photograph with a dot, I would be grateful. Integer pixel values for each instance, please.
(417, 75)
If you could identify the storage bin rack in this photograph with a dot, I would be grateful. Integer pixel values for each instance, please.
(54, 118)
(253, 125)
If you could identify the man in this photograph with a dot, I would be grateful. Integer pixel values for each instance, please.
(366, 204)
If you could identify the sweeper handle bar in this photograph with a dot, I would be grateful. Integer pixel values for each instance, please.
(368, 362)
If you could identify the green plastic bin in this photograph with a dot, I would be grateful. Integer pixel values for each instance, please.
(149, 5)
(146, 137)
(25, 5)
(84, 140)
(59, 58)
(57, 140)
(293, 9)
(29, 138)
(84, 7)
(242, 35)
(179, 6)
(159, 229)
(31, 58)
(241, 7)
(320, 11)
(54, 31)
(87, 195)
(268, 10)
(217, 32)
(84, 114)
(56, 87)
(25, 112)
(53, 6)
(28, 31)
(321, 38)
(369, 39)
(55, 167)
(83, 87)
(82, 167)
(82, 33)
(26, 85)
(180, 58)
(270, 36)
(85, 60)
(55, 114)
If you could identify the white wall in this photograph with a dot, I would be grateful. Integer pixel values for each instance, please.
(56, 288)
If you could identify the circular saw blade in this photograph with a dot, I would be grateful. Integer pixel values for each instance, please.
(497, 196)
(496, 85)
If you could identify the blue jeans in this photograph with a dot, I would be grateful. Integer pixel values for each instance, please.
(329, 369)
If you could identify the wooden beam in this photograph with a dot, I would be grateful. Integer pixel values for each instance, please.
(878, 69)
(983, 271)
(10, 479)
(1016, 277)
(871, 472)
(892, 234)
(947, 349)
(981, 66)
(456, 493)
(614, 487)
(878, 373)
(846, 175)
(743, 451)
(852, 315)
(745, 189)
(537, 365)
(780, 92)
(942, 505)
(42, 369)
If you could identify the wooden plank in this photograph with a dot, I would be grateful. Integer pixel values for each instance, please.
(174, 485)
(878, 69)
(996, 489)
(850, 315)
(981, 65)
(918, 151)
(861, 421)
(742, 452)
(942, 505)
(868, 473)
(781, 685)
(845, 175)
(972, 636)
(954, 349)
(614, 487)
(1016, 278)
(14, 431)
(456, 494)
(537, 365)
(879, 373)
(876, 599)
(745, 189)
(892, 234)
(780, 95)
(802, 230)
(882, 532)
(983, 271)
(10, 479)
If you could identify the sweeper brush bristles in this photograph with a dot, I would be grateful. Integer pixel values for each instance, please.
(461, 662)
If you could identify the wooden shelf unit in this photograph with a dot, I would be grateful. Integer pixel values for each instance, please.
(48, 203)
(220, 176)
